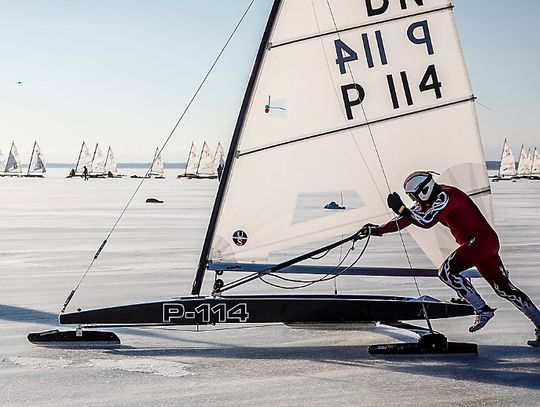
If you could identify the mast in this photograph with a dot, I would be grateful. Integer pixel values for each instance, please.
(94, 156)
(199, 277)
(200, 158)
(31, 157)
(79, 159)
(502, 156)
(532, 162)
(109, 153)
(189, 157)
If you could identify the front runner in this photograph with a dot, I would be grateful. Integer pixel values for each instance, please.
(479, 244)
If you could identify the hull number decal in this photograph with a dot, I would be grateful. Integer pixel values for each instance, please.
(206, 313)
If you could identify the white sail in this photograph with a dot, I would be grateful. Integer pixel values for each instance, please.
(13, 164)
(530, 160)
(192, 161)
(508, 162)
(98, 162)
(84, 160)
(110, 163)
(525, 163)
(37, 162)
(218, 158)
(338, 66)
(205, 167)
(157, 166)
(2, 162)
(536, 163)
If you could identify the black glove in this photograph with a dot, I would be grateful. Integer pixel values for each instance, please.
(370, 229)
(396, 204)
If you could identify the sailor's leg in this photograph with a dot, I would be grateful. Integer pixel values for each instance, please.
(496, 275)
(449, 273)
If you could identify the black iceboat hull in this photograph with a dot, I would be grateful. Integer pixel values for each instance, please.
(269, 308)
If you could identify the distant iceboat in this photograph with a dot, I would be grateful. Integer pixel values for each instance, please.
(36, 168)
(205, 168)
(98, 164)
(191, 164)
(84, 160)
(507, 167)
(13, 166)
(525, 163)
(110, 168)
(157, 168)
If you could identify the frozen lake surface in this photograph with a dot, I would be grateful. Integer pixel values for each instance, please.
(51, 228)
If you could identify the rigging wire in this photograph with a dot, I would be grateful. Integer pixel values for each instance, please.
(327, 277)
(384, 174)
(195, 94)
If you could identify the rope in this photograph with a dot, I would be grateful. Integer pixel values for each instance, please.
(327, 277)
(203, 81)
(384, 175)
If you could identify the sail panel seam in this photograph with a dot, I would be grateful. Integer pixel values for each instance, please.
(356, 126)
(357, 27)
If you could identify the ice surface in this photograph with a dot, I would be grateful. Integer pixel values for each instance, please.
(50, 229)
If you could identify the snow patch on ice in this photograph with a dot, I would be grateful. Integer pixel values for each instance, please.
(41, 363)
(144, 365)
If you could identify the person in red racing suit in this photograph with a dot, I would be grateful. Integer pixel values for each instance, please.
(478, 244)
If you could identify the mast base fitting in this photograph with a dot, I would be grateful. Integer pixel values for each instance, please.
(429, 344)
(218, 285)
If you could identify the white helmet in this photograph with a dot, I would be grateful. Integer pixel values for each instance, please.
(420, 186)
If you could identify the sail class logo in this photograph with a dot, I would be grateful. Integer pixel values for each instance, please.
(239, 238)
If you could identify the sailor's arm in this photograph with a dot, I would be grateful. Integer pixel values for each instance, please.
(398, 223)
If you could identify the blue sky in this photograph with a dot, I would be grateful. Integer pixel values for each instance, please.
(120, 72)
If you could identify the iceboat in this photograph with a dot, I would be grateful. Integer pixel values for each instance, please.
(36, 167)
(507, 167)
(83, 160)
(205, 168)
(110, 168)
(191, 164)
(157, 168)
(374, 91)
(13, 166)
(525, 163)
(98, 164)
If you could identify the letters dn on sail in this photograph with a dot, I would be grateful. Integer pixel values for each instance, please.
(370, 51)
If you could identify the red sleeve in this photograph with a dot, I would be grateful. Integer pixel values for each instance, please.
(394, 225)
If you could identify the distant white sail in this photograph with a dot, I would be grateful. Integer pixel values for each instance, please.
(13, 164)
(206, 162)
(84, 160)
(157, 166)
(525, 163)
(192, 161)
(353, 78)
(508, 162)
(37, 162)
(110, 163)
(536, 163)
(218, 158)
(98, 162)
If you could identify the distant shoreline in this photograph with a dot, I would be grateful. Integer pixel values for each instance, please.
(120, 165)
(491, 165)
